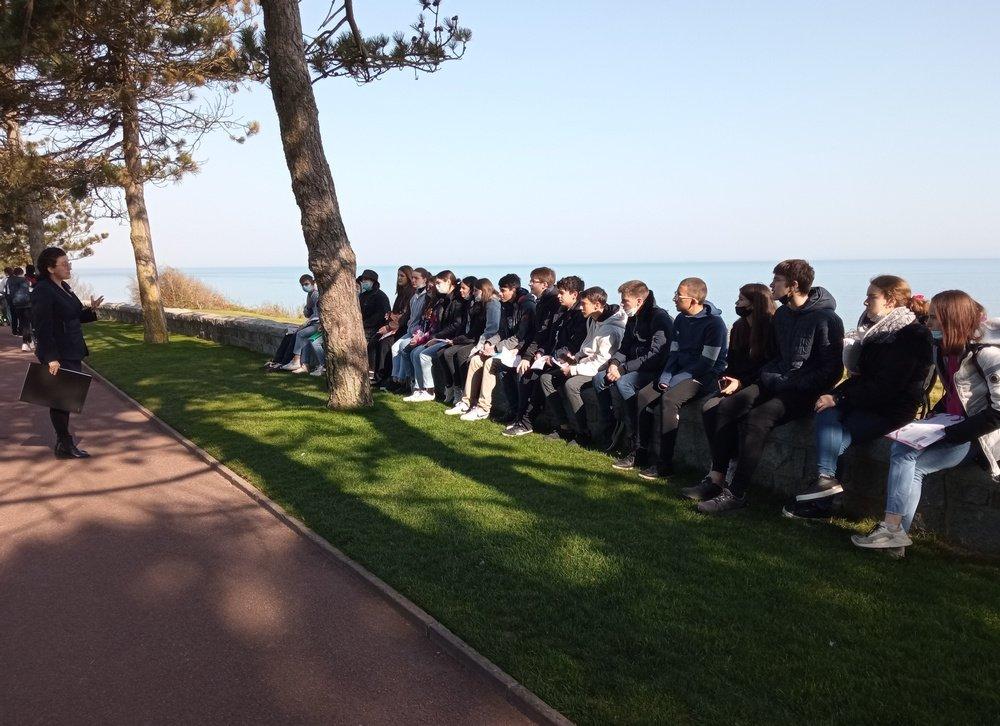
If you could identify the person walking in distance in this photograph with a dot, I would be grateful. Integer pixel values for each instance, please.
(57, 315)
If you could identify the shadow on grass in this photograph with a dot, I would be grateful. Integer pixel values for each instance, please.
(609, 598)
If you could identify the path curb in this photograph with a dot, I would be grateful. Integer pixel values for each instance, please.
(522, 698)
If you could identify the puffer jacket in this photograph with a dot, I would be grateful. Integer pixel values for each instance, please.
(810, 343)
(977, 383)
(604, 336)
(517, 321)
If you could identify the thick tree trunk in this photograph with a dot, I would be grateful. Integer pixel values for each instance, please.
(153, 319)
(330, 255)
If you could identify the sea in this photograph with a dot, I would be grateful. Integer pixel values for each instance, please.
(847, 280)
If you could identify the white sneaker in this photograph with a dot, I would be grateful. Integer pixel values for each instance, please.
(880, 537)
(475, 414)
(289, 366)
(320, 371)
(32, 345)
(300, 369)
(458, 409)
(421, 397)
(415, 396)
(24, 346)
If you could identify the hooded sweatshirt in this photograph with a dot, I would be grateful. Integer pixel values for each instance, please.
(417, 302)
(374, 306)
(698, 348)
(546, 311)
(810, 342)
(604, 336)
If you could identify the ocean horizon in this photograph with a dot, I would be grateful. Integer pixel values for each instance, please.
(846, 280)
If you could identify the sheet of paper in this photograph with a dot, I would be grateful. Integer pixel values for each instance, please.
(509, 357)
(921, 434)
(541, 363)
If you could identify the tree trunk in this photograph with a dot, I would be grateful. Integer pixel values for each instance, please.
(330, 255)
(153, 319)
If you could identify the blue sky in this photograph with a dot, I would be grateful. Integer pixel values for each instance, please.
(583, 131)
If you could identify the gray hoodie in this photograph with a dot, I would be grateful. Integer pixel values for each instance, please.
(604, 337)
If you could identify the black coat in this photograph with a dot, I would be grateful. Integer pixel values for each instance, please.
(517, 322)
(546, 310)
(374, 306)
(57, 317)
(454, 316)
(743, 364)
(476, 313)
(18, 292)
(891, 375)
(810, 344)
(568, 331)
(645, 343)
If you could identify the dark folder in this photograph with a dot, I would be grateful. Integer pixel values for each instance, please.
(66, 390)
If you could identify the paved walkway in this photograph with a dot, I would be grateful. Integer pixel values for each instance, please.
(141, 586)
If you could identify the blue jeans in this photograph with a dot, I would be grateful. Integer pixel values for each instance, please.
(907, 468)
(422, 361)
(836, 429)
(612, 396)
(399, 356)
(302, 337)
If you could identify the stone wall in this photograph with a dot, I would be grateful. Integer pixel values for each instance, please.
(961, 505)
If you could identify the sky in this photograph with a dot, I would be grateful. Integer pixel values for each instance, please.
(580, 131)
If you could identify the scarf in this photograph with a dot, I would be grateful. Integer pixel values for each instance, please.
(881, 331)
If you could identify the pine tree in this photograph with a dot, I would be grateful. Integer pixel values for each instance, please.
(291, 65)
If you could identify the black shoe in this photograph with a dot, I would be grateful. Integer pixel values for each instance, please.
(626, 462)
(554, 436)
(656, 472)
(580, 441)
(68, 450)
(702, 491)
(812, 510)
(517, 430)
(823, 487)
(724, 501)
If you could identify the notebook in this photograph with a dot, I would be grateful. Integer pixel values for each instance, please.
(66, 390)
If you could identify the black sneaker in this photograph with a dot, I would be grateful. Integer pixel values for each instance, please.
(813, 511)
(626, 462)
(702, 491)
(823, 487)
(517, 430)
(724, 501)
(554, 436)
(655, 472)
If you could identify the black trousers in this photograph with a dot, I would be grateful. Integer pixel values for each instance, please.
(60, 418)
(454, 362)
(738, 427)
(380, 357)
(670, 403)
(23, 323)
(536, 389)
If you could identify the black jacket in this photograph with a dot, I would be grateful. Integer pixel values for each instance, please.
(517, 321)
(743, 364)
(476, 313)
(57, 315)
(374, 306)
(810, 343)
(568, 331)
(18, 292)
(546, 310)
(453, 319)
(891, 376)
(645, 345)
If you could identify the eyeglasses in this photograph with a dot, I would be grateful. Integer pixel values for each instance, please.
(684, 297)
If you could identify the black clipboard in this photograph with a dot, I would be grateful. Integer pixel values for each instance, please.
(66, 390)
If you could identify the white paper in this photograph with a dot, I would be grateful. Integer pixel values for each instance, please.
(921, 434)
(540, 363)
(509, 357)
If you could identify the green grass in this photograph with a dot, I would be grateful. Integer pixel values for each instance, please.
(608, 597)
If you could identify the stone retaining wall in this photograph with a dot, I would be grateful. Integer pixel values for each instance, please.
(961, 505)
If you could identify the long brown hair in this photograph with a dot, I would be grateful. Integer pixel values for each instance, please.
(408, 285)
(898, 290)
(762, 309)
(959, 317)
(485, 285)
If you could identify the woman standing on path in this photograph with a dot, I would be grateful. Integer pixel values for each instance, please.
(58, 314)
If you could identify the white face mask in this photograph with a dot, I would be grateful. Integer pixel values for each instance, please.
(631, 313)
(306, 287)
(477, 295)
(441, 287)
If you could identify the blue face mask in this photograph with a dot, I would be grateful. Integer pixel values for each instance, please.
(937, 335)
(366, 285)
(306, 287)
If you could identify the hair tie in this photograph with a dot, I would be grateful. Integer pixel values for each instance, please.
(919, 297)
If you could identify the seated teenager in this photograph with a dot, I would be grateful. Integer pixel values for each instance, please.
(423, 333)
(810, 338)
(380, 347)
(968, 363)
(484, 322)
(696, 357)
(605, 330)
(517, 310)
(751, 344)
(400, 358)
(542, 381)
(638, 361)
(450, 313)
(373, 302)
(302, 334)
(888, 359)
(486, 315)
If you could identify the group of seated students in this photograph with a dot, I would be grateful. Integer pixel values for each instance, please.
(783, 359)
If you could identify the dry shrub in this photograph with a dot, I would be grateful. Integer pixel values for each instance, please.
(179, 290)
(82, 289)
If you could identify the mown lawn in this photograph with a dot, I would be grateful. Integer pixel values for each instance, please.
(607, 596)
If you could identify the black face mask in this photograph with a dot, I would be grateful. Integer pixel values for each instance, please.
(784, 299)
(742, 312)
